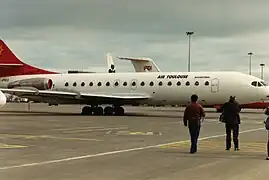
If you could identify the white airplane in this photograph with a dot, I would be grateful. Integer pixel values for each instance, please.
(118, 89)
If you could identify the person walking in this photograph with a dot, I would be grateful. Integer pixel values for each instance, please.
(193, 117)
(231, 118)
(266, 123)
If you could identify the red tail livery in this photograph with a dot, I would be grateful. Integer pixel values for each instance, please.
(10, 65)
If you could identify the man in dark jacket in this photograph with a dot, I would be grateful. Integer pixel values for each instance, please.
(230, 112)
(193, 115)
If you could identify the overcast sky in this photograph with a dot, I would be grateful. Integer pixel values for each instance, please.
(76, 34)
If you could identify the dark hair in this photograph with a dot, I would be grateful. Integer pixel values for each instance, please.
(232, 99)
(194, 98)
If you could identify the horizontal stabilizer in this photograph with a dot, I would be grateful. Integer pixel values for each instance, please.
(142, 64)
(134, 59)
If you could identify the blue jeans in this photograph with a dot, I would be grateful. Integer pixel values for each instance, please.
(194, 133)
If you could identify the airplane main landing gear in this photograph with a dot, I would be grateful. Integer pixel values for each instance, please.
(108, 110)
(89, 110)
(119, 111)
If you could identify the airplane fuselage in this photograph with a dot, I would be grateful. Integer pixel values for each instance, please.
(162, 87)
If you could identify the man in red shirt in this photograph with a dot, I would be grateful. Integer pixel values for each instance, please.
(193, 117)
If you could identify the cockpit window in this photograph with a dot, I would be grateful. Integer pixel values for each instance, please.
(254, 83)
(263, 83)
(259, 84)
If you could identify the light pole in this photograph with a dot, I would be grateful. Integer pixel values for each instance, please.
(250, 54)
(189, 33)
(262, 65)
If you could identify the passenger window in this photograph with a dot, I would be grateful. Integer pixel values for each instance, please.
(206, 83)
(254, 83)
(160, 83)
(66, 84)
(99, 84)
(178, 83)
(91, 84)
(125, 84)
(169, 83)
(142, 83)
(187, 83)
(133, 83)
(196, 83)
(116, 83)
(83, 84)
(74, 84)
(107, 83)
(151, 83)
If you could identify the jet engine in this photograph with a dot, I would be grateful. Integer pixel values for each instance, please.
(3, 99)
(38, 83)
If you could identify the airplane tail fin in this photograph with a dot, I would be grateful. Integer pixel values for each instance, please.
(110, 63)
(142, 64)
(10, 65)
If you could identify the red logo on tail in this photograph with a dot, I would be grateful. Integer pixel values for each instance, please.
(147, 68)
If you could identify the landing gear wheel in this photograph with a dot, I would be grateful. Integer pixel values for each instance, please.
(119, 111)
(98, 111)
(108, 110)
(86, 110)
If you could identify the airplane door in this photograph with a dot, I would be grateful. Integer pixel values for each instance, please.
(215, 85)
(133, 84)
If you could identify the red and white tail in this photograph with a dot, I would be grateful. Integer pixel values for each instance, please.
(10, 65)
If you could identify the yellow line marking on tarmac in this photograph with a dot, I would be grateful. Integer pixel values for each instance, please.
(77, 128)
(96, 130)
(88, 156)
(149, 133)
(211, 144)
(46, 137)
(9, 146)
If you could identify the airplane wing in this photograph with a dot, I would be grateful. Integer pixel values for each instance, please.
(73, 95)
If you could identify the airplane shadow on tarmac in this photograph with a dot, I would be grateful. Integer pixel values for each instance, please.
(42, 113)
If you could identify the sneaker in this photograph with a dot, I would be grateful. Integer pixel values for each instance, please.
(267, 158)
(236, 149)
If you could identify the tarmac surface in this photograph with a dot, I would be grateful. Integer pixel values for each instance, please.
(57, 143)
